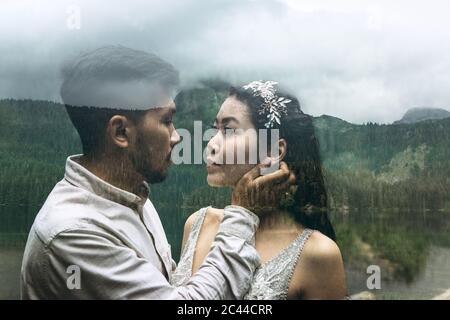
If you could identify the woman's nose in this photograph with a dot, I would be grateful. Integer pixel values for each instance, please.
(213, 148)
(213, 145)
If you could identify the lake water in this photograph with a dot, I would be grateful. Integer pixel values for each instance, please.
(411, 249)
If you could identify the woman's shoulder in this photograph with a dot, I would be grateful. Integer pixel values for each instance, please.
(320, 267)
(320, 248)
(191, 219)
(213, 216)
(189, 224)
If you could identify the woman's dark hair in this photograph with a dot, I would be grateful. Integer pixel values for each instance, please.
(309, 203)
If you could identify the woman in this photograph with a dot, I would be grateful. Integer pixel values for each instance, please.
(295, 240)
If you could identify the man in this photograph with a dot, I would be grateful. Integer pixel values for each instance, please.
(98, 235)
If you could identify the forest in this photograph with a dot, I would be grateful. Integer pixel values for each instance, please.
(369, 169)
(371, 166)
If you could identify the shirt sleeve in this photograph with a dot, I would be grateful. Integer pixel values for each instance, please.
(111, 270)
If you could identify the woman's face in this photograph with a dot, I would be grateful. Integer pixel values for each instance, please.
(232, 151)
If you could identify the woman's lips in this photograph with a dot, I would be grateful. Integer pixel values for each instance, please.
(212, 167)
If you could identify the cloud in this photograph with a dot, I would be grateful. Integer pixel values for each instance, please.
(358, 60)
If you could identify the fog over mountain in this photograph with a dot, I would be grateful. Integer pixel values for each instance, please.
(421, 114)
(358, 60)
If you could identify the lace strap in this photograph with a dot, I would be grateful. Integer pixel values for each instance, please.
(272, 279)
(183, 272)
(191, 242)
(297, 249)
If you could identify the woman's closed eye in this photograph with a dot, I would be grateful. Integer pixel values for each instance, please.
(230, 130)
(224, 129)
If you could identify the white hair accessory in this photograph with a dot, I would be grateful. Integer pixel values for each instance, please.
(274, 106)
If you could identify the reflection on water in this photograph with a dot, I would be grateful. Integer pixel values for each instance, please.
(10, 262)
(412, 250)
(432, 281)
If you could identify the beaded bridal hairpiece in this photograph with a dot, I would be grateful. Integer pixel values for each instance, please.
(274, 106)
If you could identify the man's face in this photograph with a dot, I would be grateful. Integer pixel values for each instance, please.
(155, 138)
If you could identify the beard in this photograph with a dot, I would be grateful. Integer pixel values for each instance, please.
(151, 169)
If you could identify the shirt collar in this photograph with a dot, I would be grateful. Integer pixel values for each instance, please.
(81, 177)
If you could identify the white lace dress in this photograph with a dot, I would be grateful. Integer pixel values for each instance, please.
(270, 281)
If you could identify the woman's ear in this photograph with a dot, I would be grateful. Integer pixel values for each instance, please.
(282, 149)
(276, 159)
(272, 163)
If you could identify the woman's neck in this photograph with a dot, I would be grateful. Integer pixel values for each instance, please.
(277, 221)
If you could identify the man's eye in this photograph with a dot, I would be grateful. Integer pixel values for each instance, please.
(168, 121)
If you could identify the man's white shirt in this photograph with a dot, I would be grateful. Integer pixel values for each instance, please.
(115, 241)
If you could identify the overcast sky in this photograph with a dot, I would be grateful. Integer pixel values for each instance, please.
(359, 60)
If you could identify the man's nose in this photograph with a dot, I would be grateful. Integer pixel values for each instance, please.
(175, 138)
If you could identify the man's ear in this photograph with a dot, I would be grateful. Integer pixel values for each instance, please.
(120, 131)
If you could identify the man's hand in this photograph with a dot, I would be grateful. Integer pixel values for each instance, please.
(261, 193)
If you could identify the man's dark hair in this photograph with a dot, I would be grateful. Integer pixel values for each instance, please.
(84, 76)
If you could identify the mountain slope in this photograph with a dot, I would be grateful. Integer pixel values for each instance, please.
(415, 115)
